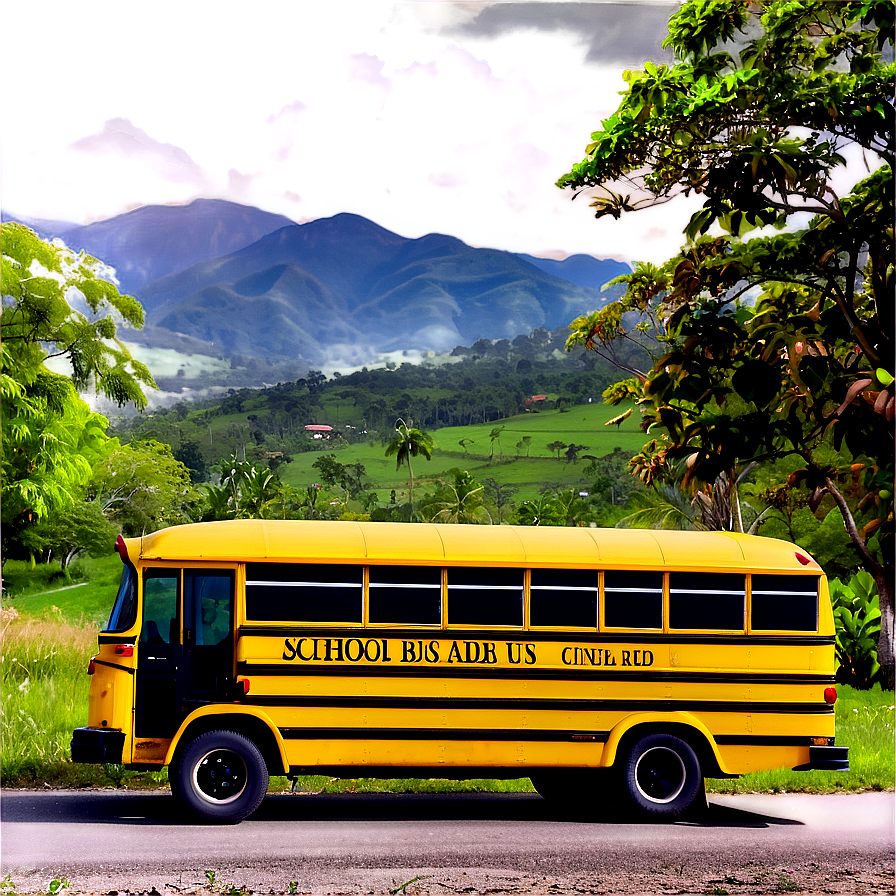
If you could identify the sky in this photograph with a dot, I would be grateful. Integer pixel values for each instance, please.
(448, 117)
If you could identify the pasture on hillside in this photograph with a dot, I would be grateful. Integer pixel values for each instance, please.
(580, 425)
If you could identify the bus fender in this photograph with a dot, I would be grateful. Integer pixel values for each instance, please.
(203, 719)
(659, 722)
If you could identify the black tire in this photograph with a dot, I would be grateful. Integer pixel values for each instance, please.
(219, 776)
(661, 777)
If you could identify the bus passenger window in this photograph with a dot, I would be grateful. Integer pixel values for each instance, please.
(405, 595)
(485, 596)
(563, 598)
(633, 599)
(784, 603)
(304, 592)
(700, 600)
(160, 608)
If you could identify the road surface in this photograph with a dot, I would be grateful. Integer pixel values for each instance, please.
(104, 841)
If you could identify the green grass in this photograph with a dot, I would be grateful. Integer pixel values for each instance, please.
(582, 425)
(86, 594)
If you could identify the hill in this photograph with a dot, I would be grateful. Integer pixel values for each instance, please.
(346, 285)
(158, 240)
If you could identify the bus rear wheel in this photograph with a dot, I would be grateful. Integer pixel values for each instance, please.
(220, 776)
(661, 777)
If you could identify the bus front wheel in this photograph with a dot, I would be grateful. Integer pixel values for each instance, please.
(220, 776)
(661, 777)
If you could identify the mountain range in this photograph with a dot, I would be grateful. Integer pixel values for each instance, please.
(240, 281)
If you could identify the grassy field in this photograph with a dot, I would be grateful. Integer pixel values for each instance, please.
(49, 635)
(510, 465)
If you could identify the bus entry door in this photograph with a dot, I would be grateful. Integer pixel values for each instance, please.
(160, 655)
(208, 635)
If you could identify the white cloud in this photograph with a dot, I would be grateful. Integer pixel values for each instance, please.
(310, 109)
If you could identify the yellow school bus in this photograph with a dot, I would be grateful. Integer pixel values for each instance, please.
(622, 664)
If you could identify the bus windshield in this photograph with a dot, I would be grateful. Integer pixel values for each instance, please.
(124, 612)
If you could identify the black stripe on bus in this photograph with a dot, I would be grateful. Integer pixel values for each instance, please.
(116, 639)
(443, 734)
(513, 673)
(584, 635)
(517, 703)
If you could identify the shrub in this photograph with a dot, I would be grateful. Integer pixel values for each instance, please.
(857, 620)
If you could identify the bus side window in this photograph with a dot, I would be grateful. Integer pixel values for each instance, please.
(784, 603)
(633, 599)
(485, 596)
(304, 592)
(563, 598)
(405, 595)
(160, 599)
(705, 600)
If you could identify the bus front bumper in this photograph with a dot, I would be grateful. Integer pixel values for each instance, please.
(97, 745)
(826, 759)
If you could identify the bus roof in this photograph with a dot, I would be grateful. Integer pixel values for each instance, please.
(432, 544)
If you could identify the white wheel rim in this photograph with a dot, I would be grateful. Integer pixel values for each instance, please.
(220, 777)
(660, 775)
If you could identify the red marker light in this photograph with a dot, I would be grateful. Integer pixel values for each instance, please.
(243, 685)
(830, 695)
(91, 667)
(121, 549)
(802, 558)
(124, 649)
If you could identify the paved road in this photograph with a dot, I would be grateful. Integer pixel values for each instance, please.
(464, 843)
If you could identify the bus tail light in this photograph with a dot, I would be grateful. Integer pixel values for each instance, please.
(91, 666)
(242, 686)
(121, 549)
(124, 649)
(830, 695)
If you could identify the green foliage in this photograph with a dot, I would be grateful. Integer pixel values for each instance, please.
(56, 304)
(142, 488)
(407, 442)
(458, 500)
(775, 344)
(81, 528)
(857, 618)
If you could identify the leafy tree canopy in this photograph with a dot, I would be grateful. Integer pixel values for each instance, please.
(56, 303)
(777, 315)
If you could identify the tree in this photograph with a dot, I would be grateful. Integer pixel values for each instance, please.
(409, 442)
(557, 446)
(142, 487)
(57, 304)
(775, 343)
(460, 500)
(81, 529)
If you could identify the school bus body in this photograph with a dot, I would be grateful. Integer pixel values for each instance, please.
(463, 651)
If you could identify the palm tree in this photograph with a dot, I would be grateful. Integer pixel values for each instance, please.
(409, 442)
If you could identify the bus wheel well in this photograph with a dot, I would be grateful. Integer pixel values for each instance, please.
(690, 735)
(249, 726)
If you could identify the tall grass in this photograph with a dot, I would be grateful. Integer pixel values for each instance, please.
(45, 688)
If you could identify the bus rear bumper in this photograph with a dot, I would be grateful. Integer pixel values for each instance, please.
(97, 745)
(826, 759)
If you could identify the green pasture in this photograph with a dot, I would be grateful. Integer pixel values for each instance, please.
(509, 464)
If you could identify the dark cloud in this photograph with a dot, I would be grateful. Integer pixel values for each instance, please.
(623, 33)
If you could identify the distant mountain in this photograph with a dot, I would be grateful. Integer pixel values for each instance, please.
(345, 280)
(583, 270)
(157, 240)
(44, 228)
